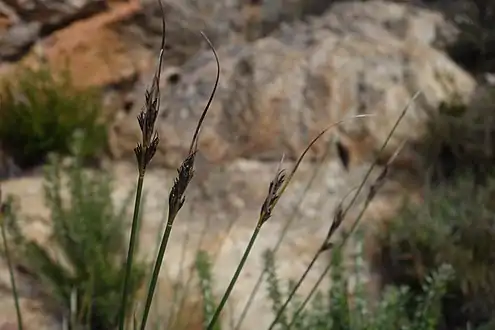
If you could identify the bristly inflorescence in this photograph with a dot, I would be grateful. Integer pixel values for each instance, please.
(185, 174)
(148, 115)
(147, 119)
(186, 170)
(272, 196)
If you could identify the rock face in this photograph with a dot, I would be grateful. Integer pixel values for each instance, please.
(218, 217)
(91, 49)
(29, 20)
(277, 93)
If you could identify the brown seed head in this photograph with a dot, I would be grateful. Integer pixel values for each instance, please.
(147, 117)
(185, 174)
(272, 196)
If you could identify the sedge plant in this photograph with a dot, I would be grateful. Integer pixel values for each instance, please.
(276, 189)
(339, 217)
(145, 151)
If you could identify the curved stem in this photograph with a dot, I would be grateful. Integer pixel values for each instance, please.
(329, 266)
(296, 287)
(294, 215)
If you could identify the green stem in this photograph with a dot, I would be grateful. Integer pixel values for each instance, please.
(296, 287)
(329, 265)
(234, 278)
(293, 217)
(156, 269)
(12, 279)
(130, 252)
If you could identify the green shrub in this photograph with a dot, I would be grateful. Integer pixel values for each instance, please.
(334, 309)
(39, 113)
(455, 225)
(475, 44)
(82, 270)
(204, 268)
(460, 139)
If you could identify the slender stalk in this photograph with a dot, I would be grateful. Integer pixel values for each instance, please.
(144, 154)
(235, 277)
(344, 213)
(130, 252)
(156, 269)
(214, 259)
(173, 315)
(295, 288)
(329, 265)
(382, 148)
(12, 279)
(294, 215)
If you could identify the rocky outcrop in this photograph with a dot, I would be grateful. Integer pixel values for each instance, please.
(93, 51)
(26, 21)
(219, 215)
(277, 93)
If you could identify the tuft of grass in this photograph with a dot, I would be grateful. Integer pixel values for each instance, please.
(40, 112)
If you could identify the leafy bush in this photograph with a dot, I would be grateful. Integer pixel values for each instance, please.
(39, 113)
(475, 45)
(82, 270)
(455, 225)
(455, 222)
(460, 138)
(335, 309)
(204, 268)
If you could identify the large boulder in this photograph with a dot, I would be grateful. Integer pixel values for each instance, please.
(278, 92)
(219, 216)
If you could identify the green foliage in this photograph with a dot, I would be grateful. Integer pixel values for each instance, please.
(82, 270)
(460, 138)
(455, 225)
(203, 267)
(474, 44)
(336, 310)
(461, 132)
(40, 113)
(274, 293)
